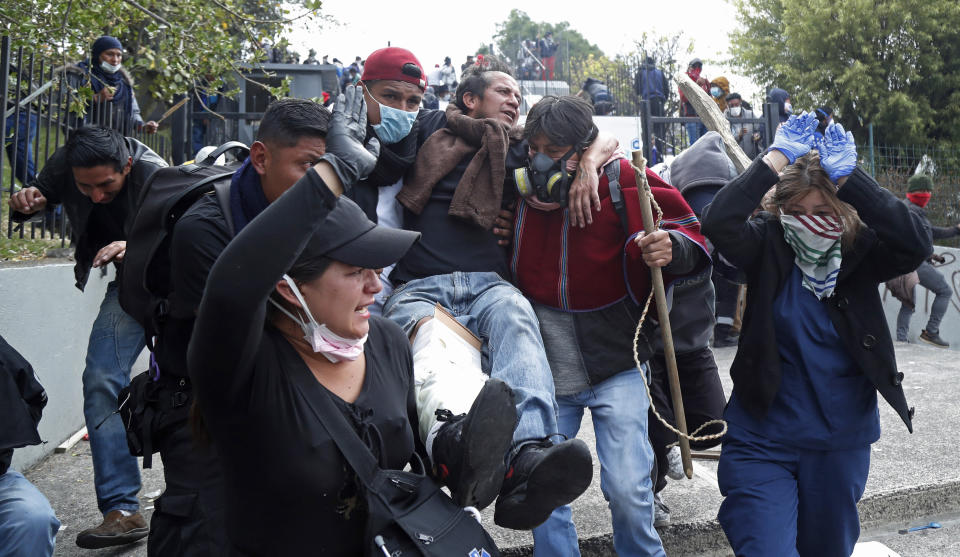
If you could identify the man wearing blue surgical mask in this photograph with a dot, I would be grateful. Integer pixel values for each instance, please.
(393, 86)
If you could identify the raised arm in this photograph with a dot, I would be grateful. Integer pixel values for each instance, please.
(230, 320)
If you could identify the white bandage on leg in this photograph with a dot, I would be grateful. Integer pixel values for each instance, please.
(447, 376)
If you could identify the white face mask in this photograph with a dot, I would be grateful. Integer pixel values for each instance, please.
(787, 107)
(323, 341)
(108, 67)
(736, 111)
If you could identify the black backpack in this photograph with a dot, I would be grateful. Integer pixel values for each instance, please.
(170, 192)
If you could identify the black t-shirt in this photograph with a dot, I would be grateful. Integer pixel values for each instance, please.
(288, 489)
(199, 237)
(448, 243)
(305, 499)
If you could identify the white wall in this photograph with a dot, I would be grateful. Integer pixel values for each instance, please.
(48, 320)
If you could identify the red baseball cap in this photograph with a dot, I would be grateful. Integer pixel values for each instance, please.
(398, 64)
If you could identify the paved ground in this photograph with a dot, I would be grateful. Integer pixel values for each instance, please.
(914, 479)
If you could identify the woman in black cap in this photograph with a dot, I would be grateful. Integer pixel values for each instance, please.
(289, 297)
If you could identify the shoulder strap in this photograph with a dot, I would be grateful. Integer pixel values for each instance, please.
(222, 189)
(612, 171)
(359, 457)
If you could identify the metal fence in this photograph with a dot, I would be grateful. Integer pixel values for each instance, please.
(41, 110)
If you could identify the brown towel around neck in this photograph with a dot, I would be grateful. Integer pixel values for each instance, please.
(480, 190)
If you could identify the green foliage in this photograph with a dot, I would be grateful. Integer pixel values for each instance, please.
(169, 46)
(670, 54)
(518, 26)
(895, 64)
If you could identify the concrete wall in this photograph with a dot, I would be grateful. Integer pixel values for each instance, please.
(48, 320)
(950, 326)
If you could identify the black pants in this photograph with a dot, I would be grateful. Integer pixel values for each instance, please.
(703, 400)
(659, 130)
(189, 517)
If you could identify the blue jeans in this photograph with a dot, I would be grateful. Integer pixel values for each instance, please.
(115, 342)
(618, 407)
(498, 313)
(932, 280)
(22, 154)
(28, 527)
(694, 131)
(781, 500)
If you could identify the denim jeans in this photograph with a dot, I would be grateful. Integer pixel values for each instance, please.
(618, 407)
(932, 280)
(22, 154)
(115, 342)
(28, 527)
(694, 131)
(498, 313)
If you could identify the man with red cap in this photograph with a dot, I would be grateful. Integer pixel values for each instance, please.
(393, 85)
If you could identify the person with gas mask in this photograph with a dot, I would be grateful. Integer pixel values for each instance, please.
(114, 104)
(919, 188)
(815, 347)
(587, 288)
(453, 195)
(747, 134)
(288, 297)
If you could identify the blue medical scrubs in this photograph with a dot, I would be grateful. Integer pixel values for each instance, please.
(791, 480)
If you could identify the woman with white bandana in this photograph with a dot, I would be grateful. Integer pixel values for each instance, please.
(815, 348)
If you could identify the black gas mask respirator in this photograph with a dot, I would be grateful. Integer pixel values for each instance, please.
(548, 179)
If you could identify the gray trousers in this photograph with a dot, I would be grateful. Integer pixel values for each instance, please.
(932, 280)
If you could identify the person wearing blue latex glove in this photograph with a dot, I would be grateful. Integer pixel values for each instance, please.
(838, 152)
(795, 137)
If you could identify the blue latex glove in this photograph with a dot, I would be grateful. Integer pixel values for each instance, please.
(795, 137)
(838, 152)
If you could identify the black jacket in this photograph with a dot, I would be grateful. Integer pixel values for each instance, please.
(22, 400)
(936, 232)
(55, 182)
(892, 242)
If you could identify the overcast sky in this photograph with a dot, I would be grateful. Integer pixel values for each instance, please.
(433, 30)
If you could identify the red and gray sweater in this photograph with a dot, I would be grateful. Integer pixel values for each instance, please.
(598, 271)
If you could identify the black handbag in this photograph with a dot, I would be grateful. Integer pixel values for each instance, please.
(408, 514)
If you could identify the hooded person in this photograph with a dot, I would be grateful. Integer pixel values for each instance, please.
(719, 89)
(698, 172)
(782, 99)
(114, 103)
(919, 192)
(699, 183)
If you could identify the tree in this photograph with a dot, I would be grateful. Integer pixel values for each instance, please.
(668, 53)
(518, 26)
(171, 44)
(895, 64)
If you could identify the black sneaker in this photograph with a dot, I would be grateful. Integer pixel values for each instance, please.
(934, 339)
(542, 476)
(469, 450)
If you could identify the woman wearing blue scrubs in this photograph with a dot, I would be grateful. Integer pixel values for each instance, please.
(815, 348)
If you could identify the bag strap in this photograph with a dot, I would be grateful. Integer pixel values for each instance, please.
(222, 189)
(335, 423)
(612, 171)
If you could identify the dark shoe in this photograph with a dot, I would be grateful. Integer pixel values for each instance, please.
(115, 529)
(542, 476)
(724, 335)
(934, 339)
(661, 512)
(469, 450)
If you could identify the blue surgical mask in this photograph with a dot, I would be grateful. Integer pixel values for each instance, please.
(715, 91)
(395, 124)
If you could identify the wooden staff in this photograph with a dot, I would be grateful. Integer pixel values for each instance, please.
(713, 119)
(173, 109)
(659, 294)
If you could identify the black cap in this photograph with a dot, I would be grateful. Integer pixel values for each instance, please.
(348, 236)
(695, 62)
